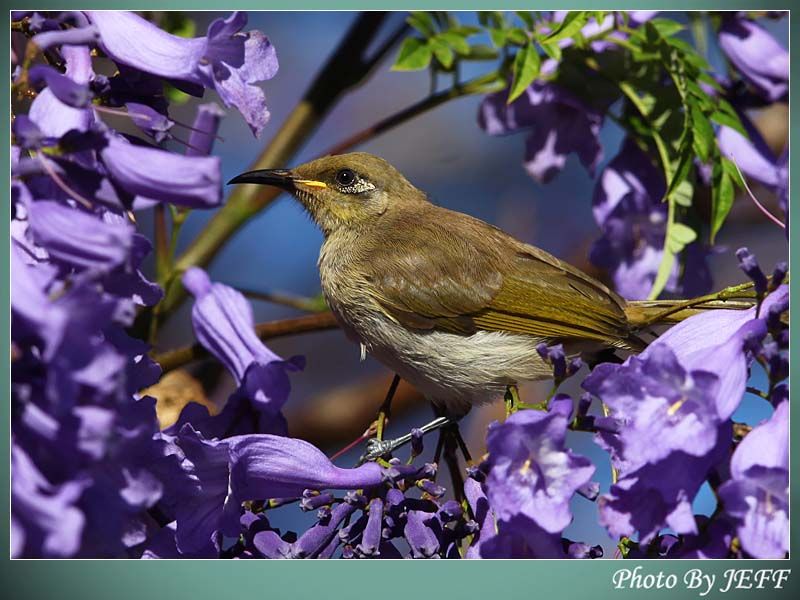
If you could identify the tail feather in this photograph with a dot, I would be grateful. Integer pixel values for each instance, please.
(644, 313)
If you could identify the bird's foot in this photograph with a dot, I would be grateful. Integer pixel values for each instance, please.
(377, 448)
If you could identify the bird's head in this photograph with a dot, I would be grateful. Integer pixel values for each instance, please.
(345, 191)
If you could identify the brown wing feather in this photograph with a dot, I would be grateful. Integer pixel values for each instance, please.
(455, 273)
(545, 297)
(427, 274)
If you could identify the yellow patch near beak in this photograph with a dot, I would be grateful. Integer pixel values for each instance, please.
(311, 183)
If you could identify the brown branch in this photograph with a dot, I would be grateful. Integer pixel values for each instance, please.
(173, 359)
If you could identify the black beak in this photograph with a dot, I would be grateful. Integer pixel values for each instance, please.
(280, 178)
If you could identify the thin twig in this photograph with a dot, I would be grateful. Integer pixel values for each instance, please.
(299, 302)
(178, 357)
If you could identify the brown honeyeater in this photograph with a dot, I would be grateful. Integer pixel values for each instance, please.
(453, 305)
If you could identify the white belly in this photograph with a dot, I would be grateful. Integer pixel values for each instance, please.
(451, 370)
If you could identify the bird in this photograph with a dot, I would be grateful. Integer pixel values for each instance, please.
(453, 305)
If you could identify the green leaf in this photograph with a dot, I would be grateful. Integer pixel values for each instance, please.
(498, 36)
(518, 36)
(682, 234)
(492, 18)
(456, 42)
(414, 55)
(178, 23)
(572, 24)
(729, 120)
(481, 52)
(465, 30)
(526, 68)
(702, 134)
(732, 171)
(552, 50)
(422, 22)
(664, 271)
(666, 27)
(683, 193)
(681, 170)
(526, 18)
(442, 52)
(722, 195)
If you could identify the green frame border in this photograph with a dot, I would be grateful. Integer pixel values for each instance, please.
(33, 579)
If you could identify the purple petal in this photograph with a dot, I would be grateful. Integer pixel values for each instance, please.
(753, 156)
(53, 525)
(532, 473)
(192, 181)
(561, 124)
(54, 117)
(767, 445)
(78, 238)
(420, 535)
(131, 40)
(757, 55)
(714, 341)
(77, 37)
(152, 122)
(204, 129)
(134, 41)
(268, 466)
(64, 88)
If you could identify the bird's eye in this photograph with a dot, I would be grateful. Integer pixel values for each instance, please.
(345, 177)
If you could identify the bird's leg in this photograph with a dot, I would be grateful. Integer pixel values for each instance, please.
(378, 447)
(385, 411)
(512, 400)
(448, 434)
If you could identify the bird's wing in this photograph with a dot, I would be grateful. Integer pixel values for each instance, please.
(548, 298)
(427, 273)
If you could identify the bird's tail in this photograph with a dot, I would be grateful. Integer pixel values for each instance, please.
(645, 313)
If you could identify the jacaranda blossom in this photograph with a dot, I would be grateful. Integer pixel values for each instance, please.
(628, 207)
(756, 55)
(250, 467)
(225, 59)
(559, 123)
(669, 437)
(716, 341)
(531, 479)
(223, 323)
(756, 497)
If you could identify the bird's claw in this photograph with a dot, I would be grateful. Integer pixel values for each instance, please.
(377, 448)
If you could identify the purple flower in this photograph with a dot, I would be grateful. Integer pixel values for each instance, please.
(715, 341)
(755, 159)
(670, 436)
(223, 323)
(484, 516)
(628, 207)
(192, 181)
(756, 498)
(44, 518)
(758, 57)
(78, 239)
(204, 129)
(63, 87)
(560, 124)
(532, 476)
(225, 60)
(251, 467)
(52, 115)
